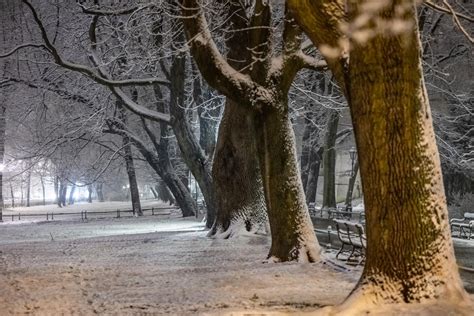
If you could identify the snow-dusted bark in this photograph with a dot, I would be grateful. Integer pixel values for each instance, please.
(236, 173)
(239, 191)
(262, 91)
(410, 255)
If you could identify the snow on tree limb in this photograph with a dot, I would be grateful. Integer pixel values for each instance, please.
(213, 66)
(25, 45)
(84, 69)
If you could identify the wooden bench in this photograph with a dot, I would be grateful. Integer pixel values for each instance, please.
(465, 225)
(353, 240)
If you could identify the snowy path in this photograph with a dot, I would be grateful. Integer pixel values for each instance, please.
(152, 266)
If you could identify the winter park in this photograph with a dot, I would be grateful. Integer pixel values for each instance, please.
(236, 157)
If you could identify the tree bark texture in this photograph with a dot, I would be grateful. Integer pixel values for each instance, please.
(236, 174)
(262, 90)
(410, 255)
(329, 162)
(292, 231)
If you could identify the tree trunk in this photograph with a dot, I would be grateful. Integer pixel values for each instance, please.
(71, 194)
(329, 162)
(154, 192)
(2, 154)
(63, 195)
(192, 153)
(43, 191)
(12, 194)
(132, 178)
(100, 192)
(28, 189)
(237, 179)
(161, 163)
(315, 158)
(89, 191)
(401, 173)
(352, 180)
(56, 190)
(292, 232)
(410, 255)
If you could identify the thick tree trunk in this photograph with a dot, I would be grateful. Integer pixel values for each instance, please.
(162, 165)
(307, 145)
(410, 255)
(401, 173)
(164, 194)
(329, 162)
(236, 173)
(237, 179)
(292, 232)
(315, 157)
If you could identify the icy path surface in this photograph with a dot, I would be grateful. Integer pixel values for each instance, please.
(152, 265)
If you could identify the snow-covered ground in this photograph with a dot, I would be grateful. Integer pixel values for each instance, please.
(153, 265)
(157, 265)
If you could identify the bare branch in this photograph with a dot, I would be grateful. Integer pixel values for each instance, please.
(11, 52)
(436, 7)
(213, 66)
(119, 93)
(84, 69)
(107, 12)
(457, 22)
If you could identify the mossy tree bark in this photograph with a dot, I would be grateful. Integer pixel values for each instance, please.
(263, 92)
(410, 255)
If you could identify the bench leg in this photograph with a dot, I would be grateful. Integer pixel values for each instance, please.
(341, 250)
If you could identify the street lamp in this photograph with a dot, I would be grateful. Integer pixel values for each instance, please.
(352, 155)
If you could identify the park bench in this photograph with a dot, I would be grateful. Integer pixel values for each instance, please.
(353, 240)
(465, 225)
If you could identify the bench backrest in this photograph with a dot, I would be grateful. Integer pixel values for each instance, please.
(469, 215)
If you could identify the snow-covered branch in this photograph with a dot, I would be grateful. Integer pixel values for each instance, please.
(91, 73)
(26, 45)
(213, 66)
